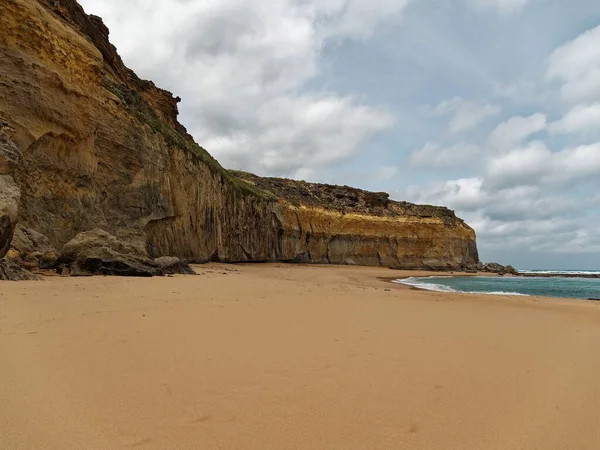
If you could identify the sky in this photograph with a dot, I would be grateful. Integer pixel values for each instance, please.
(489, 107)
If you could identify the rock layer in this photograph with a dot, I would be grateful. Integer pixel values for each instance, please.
(103, 149)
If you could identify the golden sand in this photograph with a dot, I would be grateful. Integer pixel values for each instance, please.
(292, 357)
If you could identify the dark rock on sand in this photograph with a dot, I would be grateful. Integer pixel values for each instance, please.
(31, 250)
(100, 253)
(496, 268)
(9, 271)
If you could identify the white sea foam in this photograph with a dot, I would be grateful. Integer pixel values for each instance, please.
(422, 283)
(417, 282)
(562, 272)
(518, 294)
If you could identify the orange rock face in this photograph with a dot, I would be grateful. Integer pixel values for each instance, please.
(103, 149)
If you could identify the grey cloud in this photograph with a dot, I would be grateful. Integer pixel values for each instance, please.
(536, 165)
(513, 131)
(294, 133)
(583, 119)
(522, 218)
(434, 155)
(466, 115)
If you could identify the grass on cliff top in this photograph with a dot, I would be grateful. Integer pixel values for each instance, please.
(174, 138)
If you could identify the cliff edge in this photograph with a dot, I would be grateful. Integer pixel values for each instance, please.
(101, 148)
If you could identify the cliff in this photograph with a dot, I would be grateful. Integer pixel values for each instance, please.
(101, 148)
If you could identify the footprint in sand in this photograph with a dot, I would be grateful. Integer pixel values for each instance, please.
(202, 419)
(140, 443)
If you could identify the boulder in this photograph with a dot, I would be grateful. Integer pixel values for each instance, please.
(10, 271)
(469, 268)
(100, 253)
(496, 268)
(171, 265)
(31, 250)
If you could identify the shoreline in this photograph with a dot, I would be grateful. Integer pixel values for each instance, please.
(397, 281)
(278, 356)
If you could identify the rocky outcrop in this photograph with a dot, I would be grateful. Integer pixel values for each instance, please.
(322, 223)
(490, 268)
(97, 252)
(10, 196)
(31, 250)
(10, 271)
(103, 149)
(10, 193)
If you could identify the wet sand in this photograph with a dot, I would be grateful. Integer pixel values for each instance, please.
(292, 357)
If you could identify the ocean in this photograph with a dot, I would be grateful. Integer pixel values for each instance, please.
(580, 288)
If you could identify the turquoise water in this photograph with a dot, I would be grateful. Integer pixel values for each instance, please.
(583, 288)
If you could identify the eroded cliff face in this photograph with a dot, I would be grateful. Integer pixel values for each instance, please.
(103, 149)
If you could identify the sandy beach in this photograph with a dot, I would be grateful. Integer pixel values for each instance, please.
(292, 357)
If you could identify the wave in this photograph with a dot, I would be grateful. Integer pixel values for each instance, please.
(562, 272)
(416, 282)
(436, 287)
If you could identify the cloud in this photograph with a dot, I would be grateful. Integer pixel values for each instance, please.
(243, 69)
(295, 133)
(576, 65)
(351, 18)
(518, 219)
(519, 167)
(584, 119)
(501, 6)
(536, 165)
(513, 131)
(466, 114)
(434, 155)
(465, 194)
(518, 92)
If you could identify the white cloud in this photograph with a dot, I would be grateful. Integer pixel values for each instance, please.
(434, 155)
(577, 65)
(466, 114)
(583, 119)
(295, 133)
(513, 131)
(519, 167)
(242, 68)
(536, 165)
(465, 194)
(501, 6)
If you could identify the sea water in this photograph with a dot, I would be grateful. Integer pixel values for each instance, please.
(583, 288)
